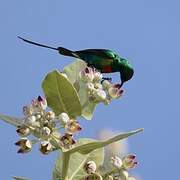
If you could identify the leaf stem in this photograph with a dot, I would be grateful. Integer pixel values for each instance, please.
(65, 165)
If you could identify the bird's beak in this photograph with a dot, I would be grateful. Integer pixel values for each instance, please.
(121, 84)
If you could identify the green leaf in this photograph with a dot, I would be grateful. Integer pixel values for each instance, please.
(87, 106)
(77, 160)
(72, 71)
(61, 95)
(88, 147)
(19, 178)
(11, 120)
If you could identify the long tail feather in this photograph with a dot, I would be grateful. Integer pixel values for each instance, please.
(37, 44)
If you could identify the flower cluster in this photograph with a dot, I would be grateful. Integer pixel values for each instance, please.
(44, 126)
(123, 165)
(119, 170)
(99, 89)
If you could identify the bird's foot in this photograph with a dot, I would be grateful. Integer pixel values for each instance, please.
(106, 78)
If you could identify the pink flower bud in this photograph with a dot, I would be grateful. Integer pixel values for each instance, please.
(27, 111)
(67, 140)
(39, 104)
(116, 162)
(129, 161)
(97, 76)
(72, 126)
(87, 74)
(90, 167)
(115, 91)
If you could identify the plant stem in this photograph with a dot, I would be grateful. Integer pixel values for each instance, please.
(65, 165)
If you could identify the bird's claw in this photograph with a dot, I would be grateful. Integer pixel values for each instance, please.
(106, 78)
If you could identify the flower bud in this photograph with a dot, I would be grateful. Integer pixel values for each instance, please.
(45, 147)
(25, 145)
(31, 120)
(64, 118)
(106, 84)
(124, 174)
(67, 140)
(42, 102)
(115, 91)
(100, 95)
(39, 104)
(94, 176)
(129, 161)
(90, 167)
(116, 162)
(90, 87)
(87, 74)
(45, 131)
(73, 126)
(97, 76)
(38, 116)
(23, 130)
(27, 111)
(50, 115)
(98, 86)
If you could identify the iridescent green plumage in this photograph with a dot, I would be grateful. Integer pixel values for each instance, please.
(105, 60)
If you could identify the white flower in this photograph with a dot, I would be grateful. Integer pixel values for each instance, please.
(45, 131)
(90, 87)
(116, 162)
(64, 118)
(124, 174)
(115, 91)
(31, 120)
(90, 167)
(72, 126)
(87, 74)
(38, 105)
(129, 161)
(98, 86)
(50, 115)
(97, 76)
(106, 84)
(100, 95)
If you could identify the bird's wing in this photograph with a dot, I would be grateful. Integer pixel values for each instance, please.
(103, 53)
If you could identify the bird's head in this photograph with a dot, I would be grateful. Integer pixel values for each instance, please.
(126, 70)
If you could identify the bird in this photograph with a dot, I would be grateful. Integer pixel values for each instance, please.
(104, 60)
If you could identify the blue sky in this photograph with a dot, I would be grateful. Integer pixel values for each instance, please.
(145, 32)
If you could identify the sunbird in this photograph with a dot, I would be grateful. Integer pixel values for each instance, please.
(105, 60)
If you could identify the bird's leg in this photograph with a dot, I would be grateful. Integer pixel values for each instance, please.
(106, 78)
